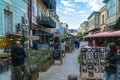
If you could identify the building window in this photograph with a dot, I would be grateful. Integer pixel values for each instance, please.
(33, 7)
(108, 13)
(8, 21)
(23, 20)
(102, 19)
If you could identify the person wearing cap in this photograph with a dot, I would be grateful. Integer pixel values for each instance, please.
(19, 69)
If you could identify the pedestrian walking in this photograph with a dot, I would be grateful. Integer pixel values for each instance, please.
(63, 48)
(19, 69)
(110, 62)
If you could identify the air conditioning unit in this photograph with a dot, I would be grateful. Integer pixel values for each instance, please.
(26, 22)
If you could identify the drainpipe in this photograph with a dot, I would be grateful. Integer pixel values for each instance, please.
(30, 14)
(30, 17)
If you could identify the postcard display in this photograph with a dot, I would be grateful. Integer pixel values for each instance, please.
(91, 62)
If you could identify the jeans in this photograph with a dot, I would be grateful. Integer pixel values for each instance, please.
(109, 76)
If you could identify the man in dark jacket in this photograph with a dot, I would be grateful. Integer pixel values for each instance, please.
(19, 69)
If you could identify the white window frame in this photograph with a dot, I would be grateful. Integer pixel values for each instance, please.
(9, 1)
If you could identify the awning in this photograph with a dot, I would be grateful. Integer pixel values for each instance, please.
(115, 33)
(13, 35)
(104, 34)
(101, 34)
(32, 37)
(38, 27)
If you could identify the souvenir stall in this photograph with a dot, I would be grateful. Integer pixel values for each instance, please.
(91, 66)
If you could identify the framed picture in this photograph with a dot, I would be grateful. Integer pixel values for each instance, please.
(97, 69)
(83, 49)
(102, 62)
(89, 61)
(102, 55)
(104, 49)
(95, 55)
(89, 50)
(94, 50)
(96, 62)
(102, 69)
(90, 73)
(89, 55)
(84, 69)
(83, 55)
(84, 62)
(90, 67)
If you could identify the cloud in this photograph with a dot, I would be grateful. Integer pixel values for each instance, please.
(66, 3)
(95, 5)
(80, 12)
(68, 10)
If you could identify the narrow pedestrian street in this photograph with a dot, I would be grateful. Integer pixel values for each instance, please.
(70, 65)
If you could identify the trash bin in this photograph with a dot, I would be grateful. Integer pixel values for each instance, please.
(72, 77)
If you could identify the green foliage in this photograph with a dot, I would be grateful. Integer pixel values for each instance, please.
(117, 25)
(35, 59)
(79, 35)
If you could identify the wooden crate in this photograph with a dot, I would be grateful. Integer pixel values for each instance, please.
(45, 66)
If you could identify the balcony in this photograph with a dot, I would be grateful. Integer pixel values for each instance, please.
(47, 22)
(50, 4)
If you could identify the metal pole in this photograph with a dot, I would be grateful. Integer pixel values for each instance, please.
(30, 14)
(23, 38)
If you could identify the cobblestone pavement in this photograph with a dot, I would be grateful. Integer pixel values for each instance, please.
(60, 72)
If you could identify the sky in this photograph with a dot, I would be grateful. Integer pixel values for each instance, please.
(74, 12)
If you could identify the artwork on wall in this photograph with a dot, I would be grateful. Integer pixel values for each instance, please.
(96, 62)
(102, 56)
(102, 69)
(84, 68)
(90, 67)
(89, 61)
(95, 55)
(92, 61)
(83, 55)
(97, 69)
(89, 55)
(84, 62)
(90, 73)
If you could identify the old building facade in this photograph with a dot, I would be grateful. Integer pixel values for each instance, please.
(13, 16)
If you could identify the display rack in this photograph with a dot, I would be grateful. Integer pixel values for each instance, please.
(91, 66)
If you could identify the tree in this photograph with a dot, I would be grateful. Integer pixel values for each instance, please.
(79, 35)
